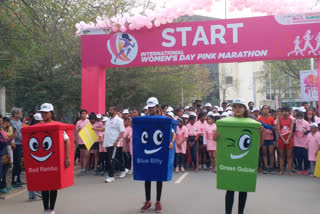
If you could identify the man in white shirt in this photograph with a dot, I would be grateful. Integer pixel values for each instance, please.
(113, 132)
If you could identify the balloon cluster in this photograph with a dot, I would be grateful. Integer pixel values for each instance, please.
(148, 18)
(161, 16)
(272, 7)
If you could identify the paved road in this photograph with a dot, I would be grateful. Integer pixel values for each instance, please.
(195, 194)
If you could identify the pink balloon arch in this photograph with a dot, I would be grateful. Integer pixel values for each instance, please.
(150, 38)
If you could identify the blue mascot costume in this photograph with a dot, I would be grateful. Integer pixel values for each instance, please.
(153, 151)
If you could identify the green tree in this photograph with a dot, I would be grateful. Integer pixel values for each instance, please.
(40, 59)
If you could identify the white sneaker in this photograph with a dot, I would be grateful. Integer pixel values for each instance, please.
(126, 171)
(205, 167)
(51, 212)
(109, 180)
(123, 174)
(200, 166)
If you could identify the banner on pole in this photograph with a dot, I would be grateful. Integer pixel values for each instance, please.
(280, 37)
(309, 85)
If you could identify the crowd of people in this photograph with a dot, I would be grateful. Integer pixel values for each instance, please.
(291, 140)
(288, 138)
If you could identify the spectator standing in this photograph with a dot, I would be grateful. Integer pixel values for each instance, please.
(16, 125)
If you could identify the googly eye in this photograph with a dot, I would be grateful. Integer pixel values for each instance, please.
(244, 142)
(158, 137)
(47, 143)
(144, 137)
(33, 144)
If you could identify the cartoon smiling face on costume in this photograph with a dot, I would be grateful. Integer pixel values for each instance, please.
(151, 137)
(240, 146)
(40, 145)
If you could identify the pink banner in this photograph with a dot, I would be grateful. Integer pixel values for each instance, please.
(280, 37)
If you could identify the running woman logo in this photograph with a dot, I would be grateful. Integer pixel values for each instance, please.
(123, 48)
(308, 48)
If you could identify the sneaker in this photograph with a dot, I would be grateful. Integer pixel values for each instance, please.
(299, 172)
(158, 207)
(51, 212)
(16, 186)
(32, 199)
(200, 166)
(8, 188)
(205, 167)
(82, 173)
(20, 183)
(123, 174)
(3, 191)
(101, 173)
(130, 172)
(182, 169)
(126, 170)
(39, 195)
(306, 172)
(177, 169)
(265, 171)
(146, 206)
(109, 180)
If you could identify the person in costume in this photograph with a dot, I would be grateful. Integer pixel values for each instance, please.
(47, 114)
(240, 110)
(153, 107)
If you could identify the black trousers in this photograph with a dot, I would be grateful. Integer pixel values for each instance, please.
(16, 170)
(117, 162)
(147, 187)
(127, 160)
(49, 196)
(103, 161)
(230, 199)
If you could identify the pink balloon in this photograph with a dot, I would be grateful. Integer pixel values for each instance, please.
(122, 21)
(149, 25)
(114, 29)
(157, 23)
(163, 21)
(170, 19)
(131, 27)
(123, 29)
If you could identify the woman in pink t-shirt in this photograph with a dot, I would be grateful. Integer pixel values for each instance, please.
(313, 146)
(193, 134)
(102, 151)
(127, 144)
(309, 117)
(181, 145)
(95, 147)
(84, 153)
(299, 143)
(211, 144)
(202, 150)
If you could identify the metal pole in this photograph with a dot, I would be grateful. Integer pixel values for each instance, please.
(314, 103)
(254, 88)
(225, 9)
(269, 82)
(318, 83)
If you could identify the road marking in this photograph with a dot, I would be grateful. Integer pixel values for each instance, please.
(181, 178)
